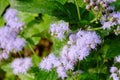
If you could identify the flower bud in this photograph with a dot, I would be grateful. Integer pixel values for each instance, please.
(104, 5)
(101, 2)
(87, 1)
(92, 3)
(88, 7)
(96, 8)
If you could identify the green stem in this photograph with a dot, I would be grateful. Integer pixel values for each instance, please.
(31, 48)
(92, 29)
(97, 16)
(93, 20)
(78, 11)
(19, 54)
(78, 65)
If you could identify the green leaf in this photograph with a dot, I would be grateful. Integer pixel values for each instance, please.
(9, 72)
(7, 67)
(104, 50)
(40, 6)
(103, 33)
(114, 47)
(58, 45)
(2, 22)
(35, 60)
(3, 5)
(9, 76)
(44, 75)
(72, 15)
(34, 30)
(116, 4)
(61, 1)
(87, 15)
(29, 40)
(81, 3)
(26, 76)
(91, 76)
(26, 17)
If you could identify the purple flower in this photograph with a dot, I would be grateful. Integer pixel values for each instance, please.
(9, 41)
(21, 65)
(49, 62)
(78, 48)
(58, 29)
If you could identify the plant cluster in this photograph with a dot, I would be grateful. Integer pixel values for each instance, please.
(60, 39)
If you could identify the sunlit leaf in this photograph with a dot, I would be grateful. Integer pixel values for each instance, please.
(3, 5)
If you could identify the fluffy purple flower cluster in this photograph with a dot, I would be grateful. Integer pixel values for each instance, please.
(77, 48)
(110, 19)
(114, 73)
(21, 65)
(53, 62)
(114, 70)
(58, 29)
(9, 42)
(81, 43)
(12, 20)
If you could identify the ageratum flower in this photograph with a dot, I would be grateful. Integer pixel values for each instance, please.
(18, 44)
(21, 65)
(77, 48)
(115, 70)
(61, 72)
(10, 14)
(80, 45)
(110, 20)
(9, 41)
(4, 55)
(53, 62)
(58, 29)
(117, 59)
(12, 19)
(49, 62)
(114, 76)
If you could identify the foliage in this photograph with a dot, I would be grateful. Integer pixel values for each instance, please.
(38, 15)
